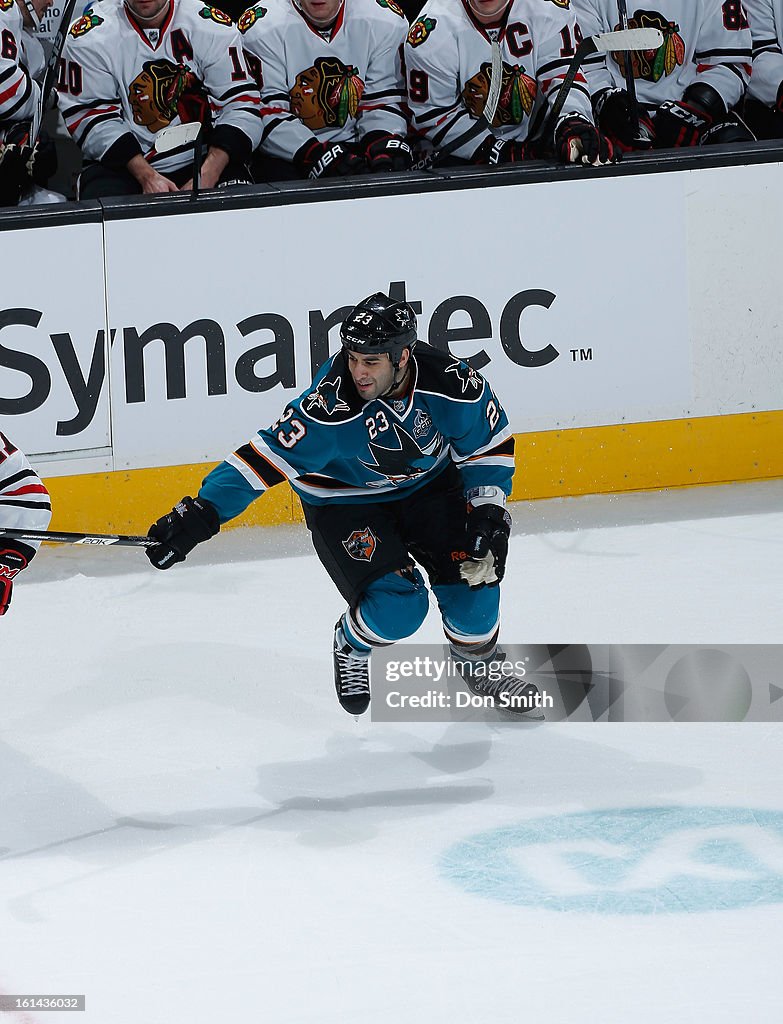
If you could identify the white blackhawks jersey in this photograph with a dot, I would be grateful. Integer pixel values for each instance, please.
(24, 500)
(21, 65)
(335, 85)
(703, 40)
(120, 84)
(766, 26)
(448, 58)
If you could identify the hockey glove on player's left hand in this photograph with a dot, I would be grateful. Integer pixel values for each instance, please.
(685, 123)
(614, 111)
(488, 527)
(321, 160)
(13, 558)
(190, 522)
(578, 141)
(386, 152)
(493, 151)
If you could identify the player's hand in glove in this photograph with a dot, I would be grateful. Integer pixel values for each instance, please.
(488, 528)
(13, 174)
(615, 117)
(685, 123)
(190, 522)
(13, 558)
(386, 152)
(22, 164)
(578, 141)
(328, 160)
(494, 152)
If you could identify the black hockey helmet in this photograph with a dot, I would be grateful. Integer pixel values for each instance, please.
(379, 324)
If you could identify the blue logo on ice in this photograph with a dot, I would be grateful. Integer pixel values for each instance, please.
(644, 860)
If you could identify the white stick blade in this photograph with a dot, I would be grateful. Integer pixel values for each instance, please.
(176, 136)
(628, 39)
(495, 84)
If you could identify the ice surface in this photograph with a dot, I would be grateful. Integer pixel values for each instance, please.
(194, 831)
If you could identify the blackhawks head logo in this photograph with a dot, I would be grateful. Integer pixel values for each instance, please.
(164, 91)
(6, 5)
(250, 17)
(652, 65)
(84, 24)
(517, 95)
(213, 14)
(420, 30)
(327, 94)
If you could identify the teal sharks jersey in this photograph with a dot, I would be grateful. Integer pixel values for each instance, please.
(332, 446)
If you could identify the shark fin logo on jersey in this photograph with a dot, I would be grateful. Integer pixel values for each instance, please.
(326, 398)
(517, 94)
(397, 465)
(421, 30)
(250, 17)
(652, 65)
(391, 5)
(87, 21)
(213, 14)
(163, 91)
(361, 545)
(466, 375)
(327, 94)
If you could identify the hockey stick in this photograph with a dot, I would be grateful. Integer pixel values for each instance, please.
(50, 75)
(482, 122)
(603, 42)
(630, 81)
(98, 539)
(183, 136)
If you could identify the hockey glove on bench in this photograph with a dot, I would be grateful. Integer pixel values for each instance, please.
(386, 152)
(190, 522)
(614, 111)
(578, 141)
(488, 530)
(321, 160)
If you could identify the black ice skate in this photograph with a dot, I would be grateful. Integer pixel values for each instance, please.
(351, 674)
(484, 678)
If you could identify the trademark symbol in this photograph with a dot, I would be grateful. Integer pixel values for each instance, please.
(581, 355)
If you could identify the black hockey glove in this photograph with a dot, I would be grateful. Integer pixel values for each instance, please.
(21, 164)
(686, 122)
(190, 522)
(488, 529)
(386, 152)
(578, 141)
(13, 558)
(614, 116)
(320, 160)
(494, 152)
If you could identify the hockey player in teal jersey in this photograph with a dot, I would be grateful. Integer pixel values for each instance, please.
(402, 457)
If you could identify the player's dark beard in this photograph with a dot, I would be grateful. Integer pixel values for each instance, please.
(395, 384)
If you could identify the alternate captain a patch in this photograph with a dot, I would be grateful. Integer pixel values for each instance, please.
(361, 544)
